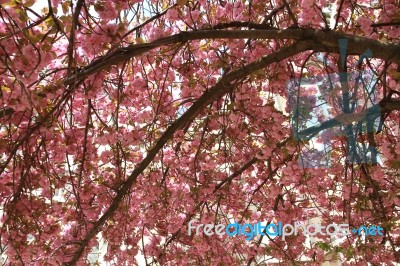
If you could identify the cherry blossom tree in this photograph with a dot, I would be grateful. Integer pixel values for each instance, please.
(125, 120)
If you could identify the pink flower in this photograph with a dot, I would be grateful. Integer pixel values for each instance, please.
(173, 14)
(365, 24)
(195, 15)
(108, 10)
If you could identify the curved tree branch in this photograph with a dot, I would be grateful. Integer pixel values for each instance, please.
(371, 113)
(223, 86)
(309, 39)
(327, 39)
(316, 40)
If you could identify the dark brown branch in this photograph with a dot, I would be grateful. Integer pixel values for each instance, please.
(239, 24)
(389, 105)
(338, 14)
(75, 21)
(370, 113)
(291, 15)
(394, 23)
(223, 86)
(317, 40)
(6, 111)
(323, 40)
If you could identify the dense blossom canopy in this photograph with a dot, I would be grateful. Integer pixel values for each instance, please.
(122, 121)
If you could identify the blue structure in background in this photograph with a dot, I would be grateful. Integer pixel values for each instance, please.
(335, 105)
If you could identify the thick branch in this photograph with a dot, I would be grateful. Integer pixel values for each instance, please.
(316, 40)
(389, 105)
(371, 113)
(382, 24)
(6, 111)
(326, 40)
(223, 86)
